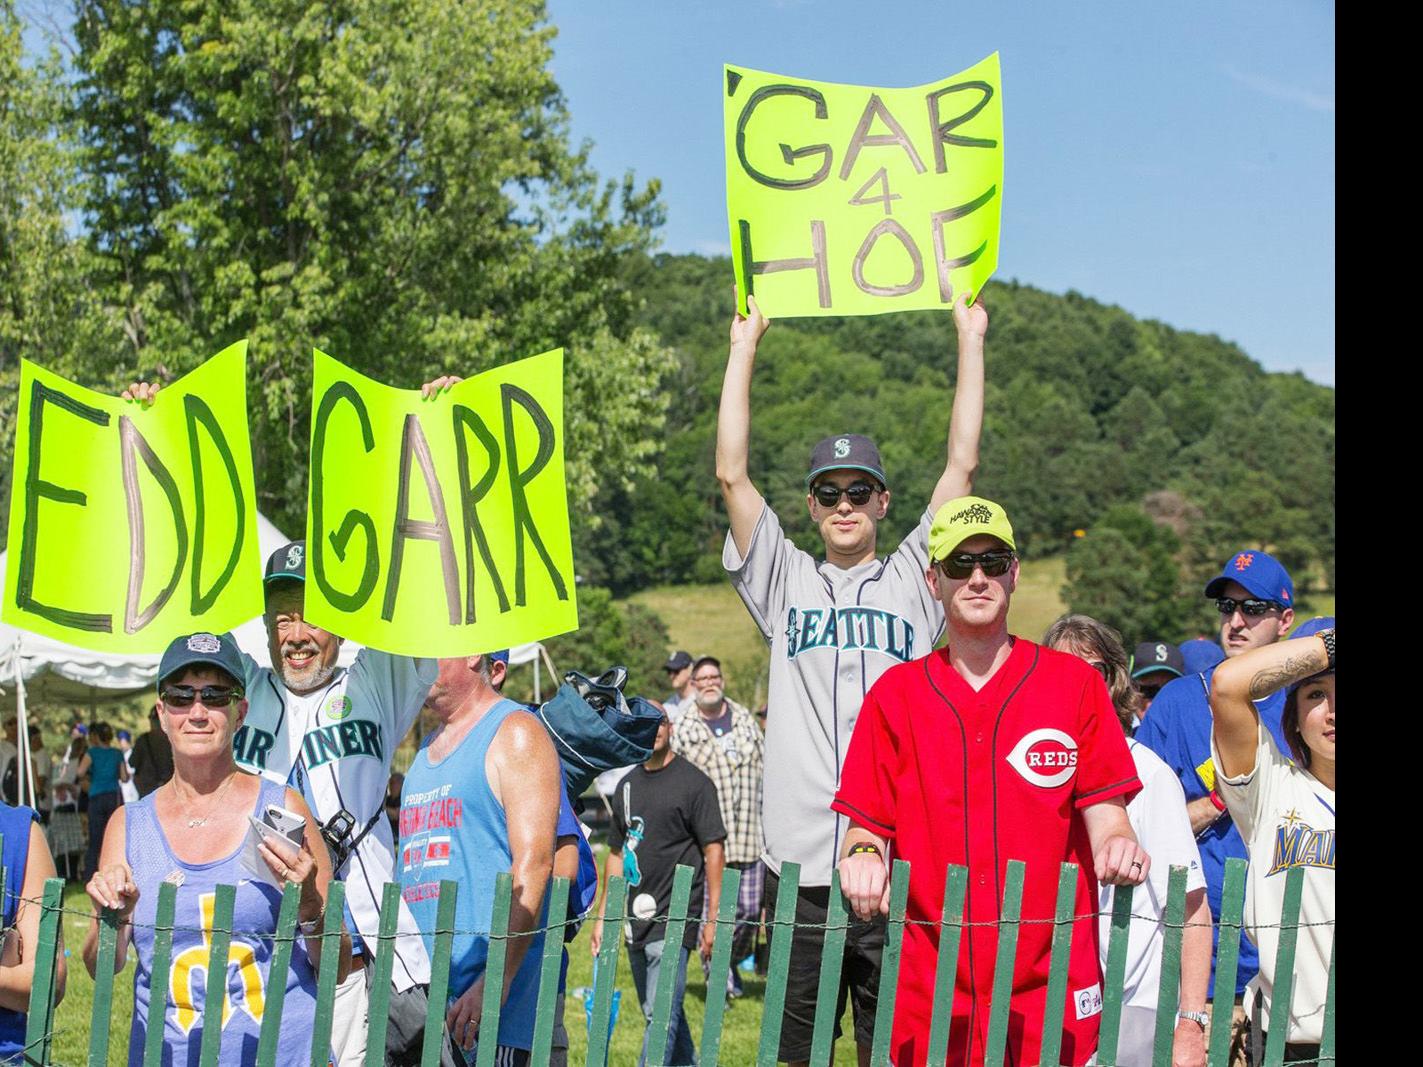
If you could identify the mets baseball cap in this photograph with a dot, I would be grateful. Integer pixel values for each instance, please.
(1310, 627)
(1152, 656)
(287, 563)
(846, 451)
(964, 517)
(1201, 655)
(1260, 573)
(209, 650)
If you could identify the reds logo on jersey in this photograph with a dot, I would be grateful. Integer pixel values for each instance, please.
(1045, 757)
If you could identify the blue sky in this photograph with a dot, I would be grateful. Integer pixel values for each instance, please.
(1177, 160)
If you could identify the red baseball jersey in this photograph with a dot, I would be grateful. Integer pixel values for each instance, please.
(953, 776)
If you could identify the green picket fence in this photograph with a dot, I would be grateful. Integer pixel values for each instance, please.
(41, 1013)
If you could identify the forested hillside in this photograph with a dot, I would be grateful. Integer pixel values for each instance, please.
(1095, 421)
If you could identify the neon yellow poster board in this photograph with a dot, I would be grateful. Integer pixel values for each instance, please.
(849, 200)
(130, 525)
(439, 527)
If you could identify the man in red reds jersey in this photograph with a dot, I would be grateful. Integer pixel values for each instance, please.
(989, 749)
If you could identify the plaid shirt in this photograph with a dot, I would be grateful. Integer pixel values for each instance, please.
(734, 763)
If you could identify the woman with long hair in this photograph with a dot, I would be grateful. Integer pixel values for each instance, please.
(1285, 812)
(1158, 817)
(192, 832)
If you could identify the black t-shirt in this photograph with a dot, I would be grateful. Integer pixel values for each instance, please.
(660, 819)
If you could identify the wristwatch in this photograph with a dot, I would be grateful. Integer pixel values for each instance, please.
(1327, 636)
(1200, 1018)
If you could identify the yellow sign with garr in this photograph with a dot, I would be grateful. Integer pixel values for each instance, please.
(439, 527)
(849, 200)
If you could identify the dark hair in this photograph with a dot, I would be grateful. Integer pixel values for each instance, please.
(1083, 631)
(1289, 723)
(103, 732)
(705, 661)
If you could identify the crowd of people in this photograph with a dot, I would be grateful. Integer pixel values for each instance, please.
(903, 721)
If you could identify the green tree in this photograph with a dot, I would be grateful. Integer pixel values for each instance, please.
(1124, 573)
(390, 181)
(612, 634)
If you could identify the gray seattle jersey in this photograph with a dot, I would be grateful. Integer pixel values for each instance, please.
(832, 632)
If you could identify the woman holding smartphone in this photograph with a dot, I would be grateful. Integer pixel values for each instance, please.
(191, 832)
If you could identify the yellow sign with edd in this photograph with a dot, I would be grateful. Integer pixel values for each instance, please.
(848, 200)
(131, 525)
(439, 527)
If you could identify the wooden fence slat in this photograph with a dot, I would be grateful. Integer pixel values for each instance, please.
(330, 958)
(947, 967)
(1058, 960)
(774, 1006)
(721, 963)
(1003, 967)
(158, 977)
(1114, 975)
(832, 961)
(889, 967)
(220, 941)
(283, 945)
(605, 977)
(673, 933)
(378, 1008)
(39, 1023)
(1326, 1041)
(1169, 991)
(439, 974)
(545, 1009)
(1227, 960)
(494, 967)
(101, 1008)
(1279, 1027)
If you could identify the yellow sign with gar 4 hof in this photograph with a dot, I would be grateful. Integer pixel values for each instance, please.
(849, 200)
(439, 526)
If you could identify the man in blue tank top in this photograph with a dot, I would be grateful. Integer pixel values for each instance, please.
(481, 797)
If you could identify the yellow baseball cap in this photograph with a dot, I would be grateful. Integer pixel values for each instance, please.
(964, 517)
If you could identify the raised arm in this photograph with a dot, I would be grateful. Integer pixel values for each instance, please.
(1252, 676)
(733, 427)
(966, 422)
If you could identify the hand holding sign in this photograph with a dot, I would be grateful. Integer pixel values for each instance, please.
(892, 205)
(438, 519)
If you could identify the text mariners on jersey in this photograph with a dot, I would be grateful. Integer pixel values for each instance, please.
(1297, 844)
(354, 737)
(856, 628)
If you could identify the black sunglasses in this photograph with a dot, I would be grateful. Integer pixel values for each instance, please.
(995, 563)
(212, 696)
(1149, 691)
(1227, 605)
(827, 495)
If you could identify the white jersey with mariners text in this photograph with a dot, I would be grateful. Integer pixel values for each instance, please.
(335, 747)
(833, 632)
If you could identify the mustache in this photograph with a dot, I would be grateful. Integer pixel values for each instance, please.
(299, 646)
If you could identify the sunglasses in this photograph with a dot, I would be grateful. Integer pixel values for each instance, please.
(212, 696)
(995, 563)
(1227, 606)
(1149, 691)
(828, 495)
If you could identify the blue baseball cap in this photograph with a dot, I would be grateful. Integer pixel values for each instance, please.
(1201, 655)
(1260, 573)
(502, 656)
(1310, 627)
(208, 650)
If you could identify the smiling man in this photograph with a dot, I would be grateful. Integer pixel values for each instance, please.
(834, 626)
(990, 749)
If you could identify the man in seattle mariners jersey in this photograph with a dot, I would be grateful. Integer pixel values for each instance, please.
(834, 625)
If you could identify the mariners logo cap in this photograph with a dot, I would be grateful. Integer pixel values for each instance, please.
(1261, 574)
(287, 563)
(965, 517)
(209, 650)
(1153, 656)
(846, 451)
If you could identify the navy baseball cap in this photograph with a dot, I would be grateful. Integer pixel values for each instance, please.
(1261, 574)
(1310, 627)
(1201, 655)
(209, 650)
(1153, 656)
(678, 661)
(287, 563)
(846, 451)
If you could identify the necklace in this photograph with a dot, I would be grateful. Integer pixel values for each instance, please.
(194, 823)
